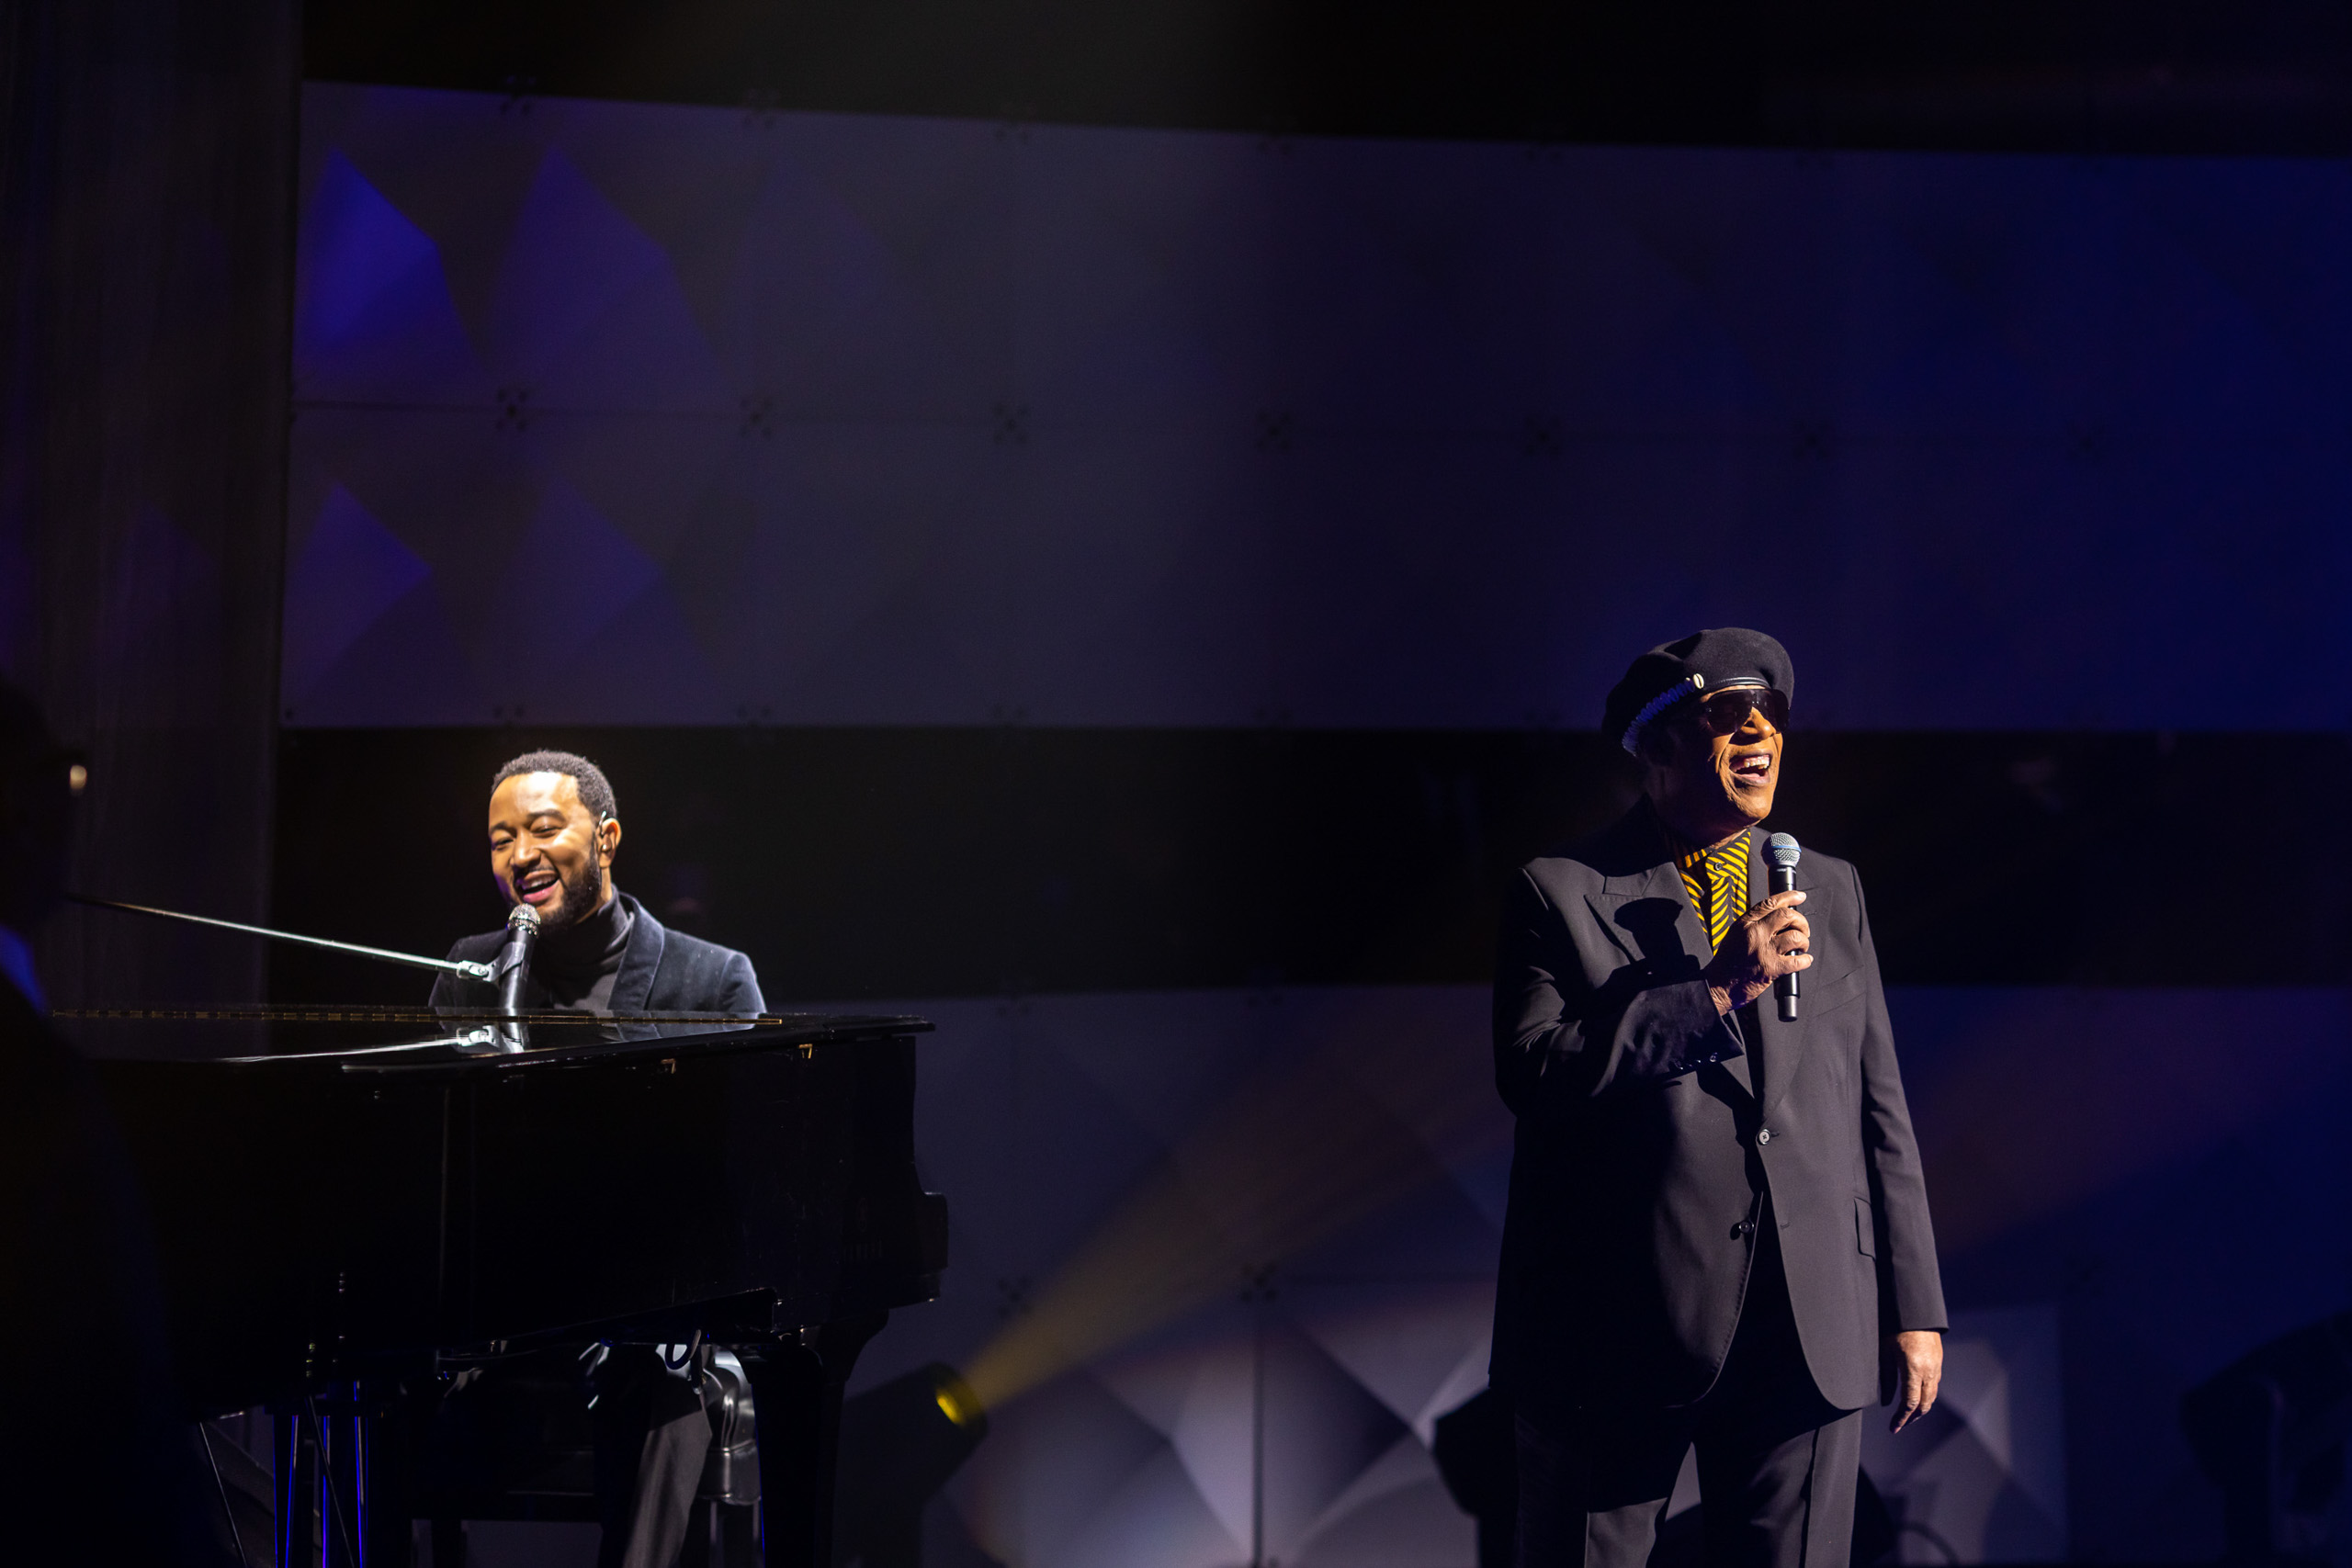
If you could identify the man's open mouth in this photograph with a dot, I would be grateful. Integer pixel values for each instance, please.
(538, 887)
(1754, 767)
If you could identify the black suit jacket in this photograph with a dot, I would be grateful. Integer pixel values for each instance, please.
(661, 971)
(1642, 1143)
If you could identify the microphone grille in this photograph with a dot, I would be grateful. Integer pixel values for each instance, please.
(1782, 848)
(522, 917)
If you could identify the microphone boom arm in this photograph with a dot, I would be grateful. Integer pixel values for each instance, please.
(450, 966)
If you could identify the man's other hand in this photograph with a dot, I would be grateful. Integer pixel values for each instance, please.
(1770, 941)
(1920, 1352)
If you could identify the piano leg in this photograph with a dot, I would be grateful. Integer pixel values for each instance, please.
(329, 1492)
(796, 1400)
(295, 1439)
(384, 1466)
(386, 1541)
(344, 1435)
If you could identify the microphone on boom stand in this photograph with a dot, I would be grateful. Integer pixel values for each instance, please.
(523, 924)
(515, 967)
(1781, 849)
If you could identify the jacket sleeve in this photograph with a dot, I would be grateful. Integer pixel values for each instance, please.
(1911, 1291)
(739, 988)
(1559, 1040)
(446, 986)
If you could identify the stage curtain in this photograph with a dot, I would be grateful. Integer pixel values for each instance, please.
(147, 256)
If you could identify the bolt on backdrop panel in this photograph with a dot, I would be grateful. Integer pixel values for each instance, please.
(633, 415)
(811, 419)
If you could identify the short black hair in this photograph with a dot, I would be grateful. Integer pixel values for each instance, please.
(595, 793)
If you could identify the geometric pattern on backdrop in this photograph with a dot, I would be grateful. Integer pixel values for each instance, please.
(1982, 1477)
(802, 418)
(1042, 1117)
(1988, 1483)
(1294, 1424)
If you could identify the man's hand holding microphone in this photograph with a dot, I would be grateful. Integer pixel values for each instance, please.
(1770, 941)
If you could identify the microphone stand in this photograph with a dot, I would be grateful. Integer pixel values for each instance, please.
(508, 1031)
(471, 971)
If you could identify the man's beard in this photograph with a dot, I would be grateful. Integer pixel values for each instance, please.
(580, 899)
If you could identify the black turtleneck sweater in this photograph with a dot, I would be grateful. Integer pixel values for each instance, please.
(581, 968)
(575, 966)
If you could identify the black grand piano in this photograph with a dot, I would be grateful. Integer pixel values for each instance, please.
(349, 1201)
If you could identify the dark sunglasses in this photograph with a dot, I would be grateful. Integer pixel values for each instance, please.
(1725, 712)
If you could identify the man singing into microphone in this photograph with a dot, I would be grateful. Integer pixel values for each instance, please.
(1717, 1236)
(554, 829)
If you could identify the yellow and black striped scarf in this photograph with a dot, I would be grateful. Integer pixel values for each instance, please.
(1716, 881)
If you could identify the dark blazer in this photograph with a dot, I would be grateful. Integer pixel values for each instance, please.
(1643, 1142)
(661, 971)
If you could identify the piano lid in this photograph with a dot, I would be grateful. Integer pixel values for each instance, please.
(377, 1039)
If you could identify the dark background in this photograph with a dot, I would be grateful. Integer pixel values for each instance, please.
(2066, 75)
(1080, 860)
(148, 216)
(895, 862)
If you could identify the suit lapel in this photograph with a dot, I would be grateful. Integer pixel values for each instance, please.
(639, 960)
(1667, 880)
(1663, 879)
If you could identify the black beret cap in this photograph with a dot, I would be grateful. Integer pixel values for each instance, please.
(1672, 672)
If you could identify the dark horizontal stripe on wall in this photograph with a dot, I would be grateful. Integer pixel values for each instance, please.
(931, 862)
(2057, 75)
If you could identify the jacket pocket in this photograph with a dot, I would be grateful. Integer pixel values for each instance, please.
(1865, 1233)
(1831, 995)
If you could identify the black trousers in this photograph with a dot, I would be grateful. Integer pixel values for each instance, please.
(1777, 1463)
(503, 1426)
(652, 1437)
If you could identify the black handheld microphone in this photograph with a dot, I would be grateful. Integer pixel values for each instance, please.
(522, 922)
(1782, 849)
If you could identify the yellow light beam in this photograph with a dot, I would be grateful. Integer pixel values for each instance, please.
(1290, 1159)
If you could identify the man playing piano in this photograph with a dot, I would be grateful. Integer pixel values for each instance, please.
(554, 829)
